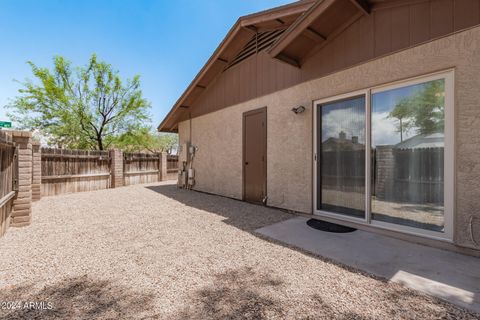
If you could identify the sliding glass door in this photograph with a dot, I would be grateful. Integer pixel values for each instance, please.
(341, 145)
(384, 156)
(408, 155)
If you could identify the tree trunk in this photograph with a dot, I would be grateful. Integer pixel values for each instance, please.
(100, 143)
(401, 131)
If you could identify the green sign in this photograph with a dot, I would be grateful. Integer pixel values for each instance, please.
(5, 124)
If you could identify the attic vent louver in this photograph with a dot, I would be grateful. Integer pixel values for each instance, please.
(257, 43)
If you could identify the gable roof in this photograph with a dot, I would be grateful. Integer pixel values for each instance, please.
(269, 24)
(290, 33)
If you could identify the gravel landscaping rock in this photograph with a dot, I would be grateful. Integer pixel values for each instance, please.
(156, 252)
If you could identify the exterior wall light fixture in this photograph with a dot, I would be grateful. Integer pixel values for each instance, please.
(298, 110)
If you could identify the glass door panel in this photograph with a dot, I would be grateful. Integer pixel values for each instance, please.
(408, 155)
(341, 152)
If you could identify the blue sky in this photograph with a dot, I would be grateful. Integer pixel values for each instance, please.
(165, 41)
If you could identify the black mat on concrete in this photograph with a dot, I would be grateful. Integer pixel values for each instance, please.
(328, 226)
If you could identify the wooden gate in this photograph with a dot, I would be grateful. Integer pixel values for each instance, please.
(141, 168)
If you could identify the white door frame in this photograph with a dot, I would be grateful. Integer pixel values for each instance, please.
(316, 155)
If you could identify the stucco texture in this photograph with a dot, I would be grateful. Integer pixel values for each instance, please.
(218, 135)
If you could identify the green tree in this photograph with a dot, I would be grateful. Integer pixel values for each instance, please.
(423, 111)
(401, 112)
(168, 142)
(428, 108)
(145, 140)
(85, 107)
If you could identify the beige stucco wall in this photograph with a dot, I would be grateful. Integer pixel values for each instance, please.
(218, 135)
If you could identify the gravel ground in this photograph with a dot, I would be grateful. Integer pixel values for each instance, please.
(157, 252)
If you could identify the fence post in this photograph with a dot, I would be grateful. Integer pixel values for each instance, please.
(163, 167)
(22, 203)
(36, 171)
(116, 169)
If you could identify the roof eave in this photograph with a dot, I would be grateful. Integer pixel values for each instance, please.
(195, 80)
(242, 22)
(302, 25)
(298, 27)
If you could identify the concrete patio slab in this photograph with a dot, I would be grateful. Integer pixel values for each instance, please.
(447, 275)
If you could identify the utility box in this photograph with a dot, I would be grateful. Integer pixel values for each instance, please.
(182, 179)
(191, 177)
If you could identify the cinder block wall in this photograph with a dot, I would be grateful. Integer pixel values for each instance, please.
(385, 168)
(116, 168)
(22, 203)
(36, 171)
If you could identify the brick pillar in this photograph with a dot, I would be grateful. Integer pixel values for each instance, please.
(163, 174)
(385, 172)
(36, 170)
(116, 169)
(22, 203)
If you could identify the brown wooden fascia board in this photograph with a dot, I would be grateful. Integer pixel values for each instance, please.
(242, 22)
(299, 26)
(277, 13)
(273, 28)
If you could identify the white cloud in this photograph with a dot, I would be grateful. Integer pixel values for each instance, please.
(384, 131)
(336, 121)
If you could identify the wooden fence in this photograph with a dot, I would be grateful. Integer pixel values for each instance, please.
(344, 170)
(69, 171)
(8, 179)
(418, 175)
(172, 164)
(141, 168)
(413, 175)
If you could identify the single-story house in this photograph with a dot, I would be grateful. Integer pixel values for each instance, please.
(329, 108)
